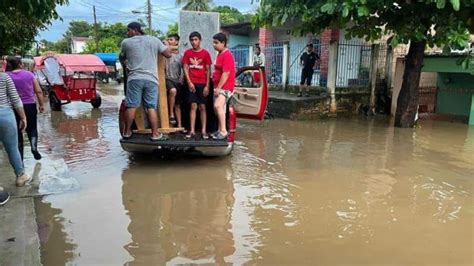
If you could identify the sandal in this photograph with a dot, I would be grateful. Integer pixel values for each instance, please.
(161, 137)
(190, 135)
(220, 136)
(205, 136)
(172, 121)
(125, 136)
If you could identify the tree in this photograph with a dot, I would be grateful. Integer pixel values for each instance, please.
(116, 30)
(420, 23)
(110, 37)
(79, 29)
(20, 21)
(106, 45)
(230, 15)
(172, 29)
(195, 5)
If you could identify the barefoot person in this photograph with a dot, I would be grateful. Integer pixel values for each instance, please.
(224, 82)
(10, 100)
(197, 63)
(27, 86)
(140, 53)
(174, 75)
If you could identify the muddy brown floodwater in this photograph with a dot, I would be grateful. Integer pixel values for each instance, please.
(336, 192)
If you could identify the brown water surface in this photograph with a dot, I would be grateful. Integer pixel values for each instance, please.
(336, 192)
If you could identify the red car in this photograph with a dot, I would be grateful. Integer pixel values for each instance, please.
(249, 101)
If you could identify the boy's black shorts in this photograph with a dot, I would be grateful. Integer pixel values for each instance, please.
(198, 97)
(170, 84)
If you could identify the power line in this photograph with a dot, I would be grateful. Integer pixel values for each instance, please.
(108, 10)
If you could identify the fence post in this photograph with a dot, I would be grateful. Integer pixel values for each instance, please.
(373, 73)
(286, 66)
(332, 73)
(389, 66)
(250, 55)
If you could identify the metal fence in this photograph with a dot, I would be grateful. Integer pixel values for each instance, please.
(295, 68)
(274, 63)
(354, 62)
(241, 55)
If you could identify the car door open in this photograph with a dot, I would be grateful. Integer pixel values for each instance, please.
(251, 93)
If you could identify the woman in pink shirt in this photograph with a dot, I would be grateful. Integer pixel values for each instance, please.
(27, 86)
(224, 82)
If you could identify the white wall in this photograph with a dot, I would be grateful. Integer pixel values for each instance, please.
(78, 47)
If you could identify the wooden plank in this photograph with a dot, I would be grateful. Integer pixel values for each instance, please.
(162, 99)
(140, 118)
(163, 115)
(161, 130)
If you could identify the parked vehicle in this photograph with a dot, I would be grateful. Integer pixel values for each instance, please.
(111, 60)
(70, 77)
(249, 101)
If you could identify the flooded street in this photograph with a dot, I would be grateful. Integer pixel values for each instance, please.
(335, 192)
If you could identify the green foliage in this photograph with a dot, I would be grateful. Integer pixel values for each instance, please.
(106, 45)
(195, 5)
(79, 29)
(231, 15)
(110, 37)
(437, 22)
(60, 46)
(467, 62)
(172, 29)
(21, 20)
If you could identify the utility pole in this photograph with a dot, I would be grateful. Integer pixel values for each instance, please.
(149, 9)
(96, 31)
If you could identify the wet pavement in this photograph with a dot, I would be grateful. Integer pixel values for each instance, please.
(335, 192)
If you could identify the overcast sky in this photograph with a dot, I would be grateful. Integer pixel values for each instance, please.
(165, 12)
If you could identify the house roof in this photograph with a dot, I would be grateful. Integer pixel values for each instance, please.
(241, 28)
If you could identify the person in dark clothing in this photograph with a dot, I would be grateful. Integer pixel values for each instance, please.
(308, 61)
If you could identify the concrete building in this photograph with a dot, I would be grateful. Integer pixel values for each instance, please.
(283, 49)
(446, 89)
(78, 44)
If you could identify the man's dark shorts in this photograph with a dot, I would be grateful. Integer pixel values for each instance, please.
(198, 97)
(170, 84)
(306, 76)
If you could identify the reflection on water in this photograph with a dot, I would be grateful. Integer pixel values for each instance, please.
(181, 221)
(57, 248)
(346, 191)
(356, 188)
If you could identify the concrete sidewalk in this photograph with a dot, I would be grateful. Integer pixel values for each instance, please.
(19, 239)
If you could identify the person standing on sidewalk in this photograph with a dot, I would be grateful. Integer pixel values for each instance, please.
(308, 61)
(10, 100)
(258, 57)
(140, 54)
(27, 86)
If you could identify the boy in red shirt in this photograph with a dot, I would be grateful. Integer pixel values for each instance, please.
(196, 64)
(224, 82)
